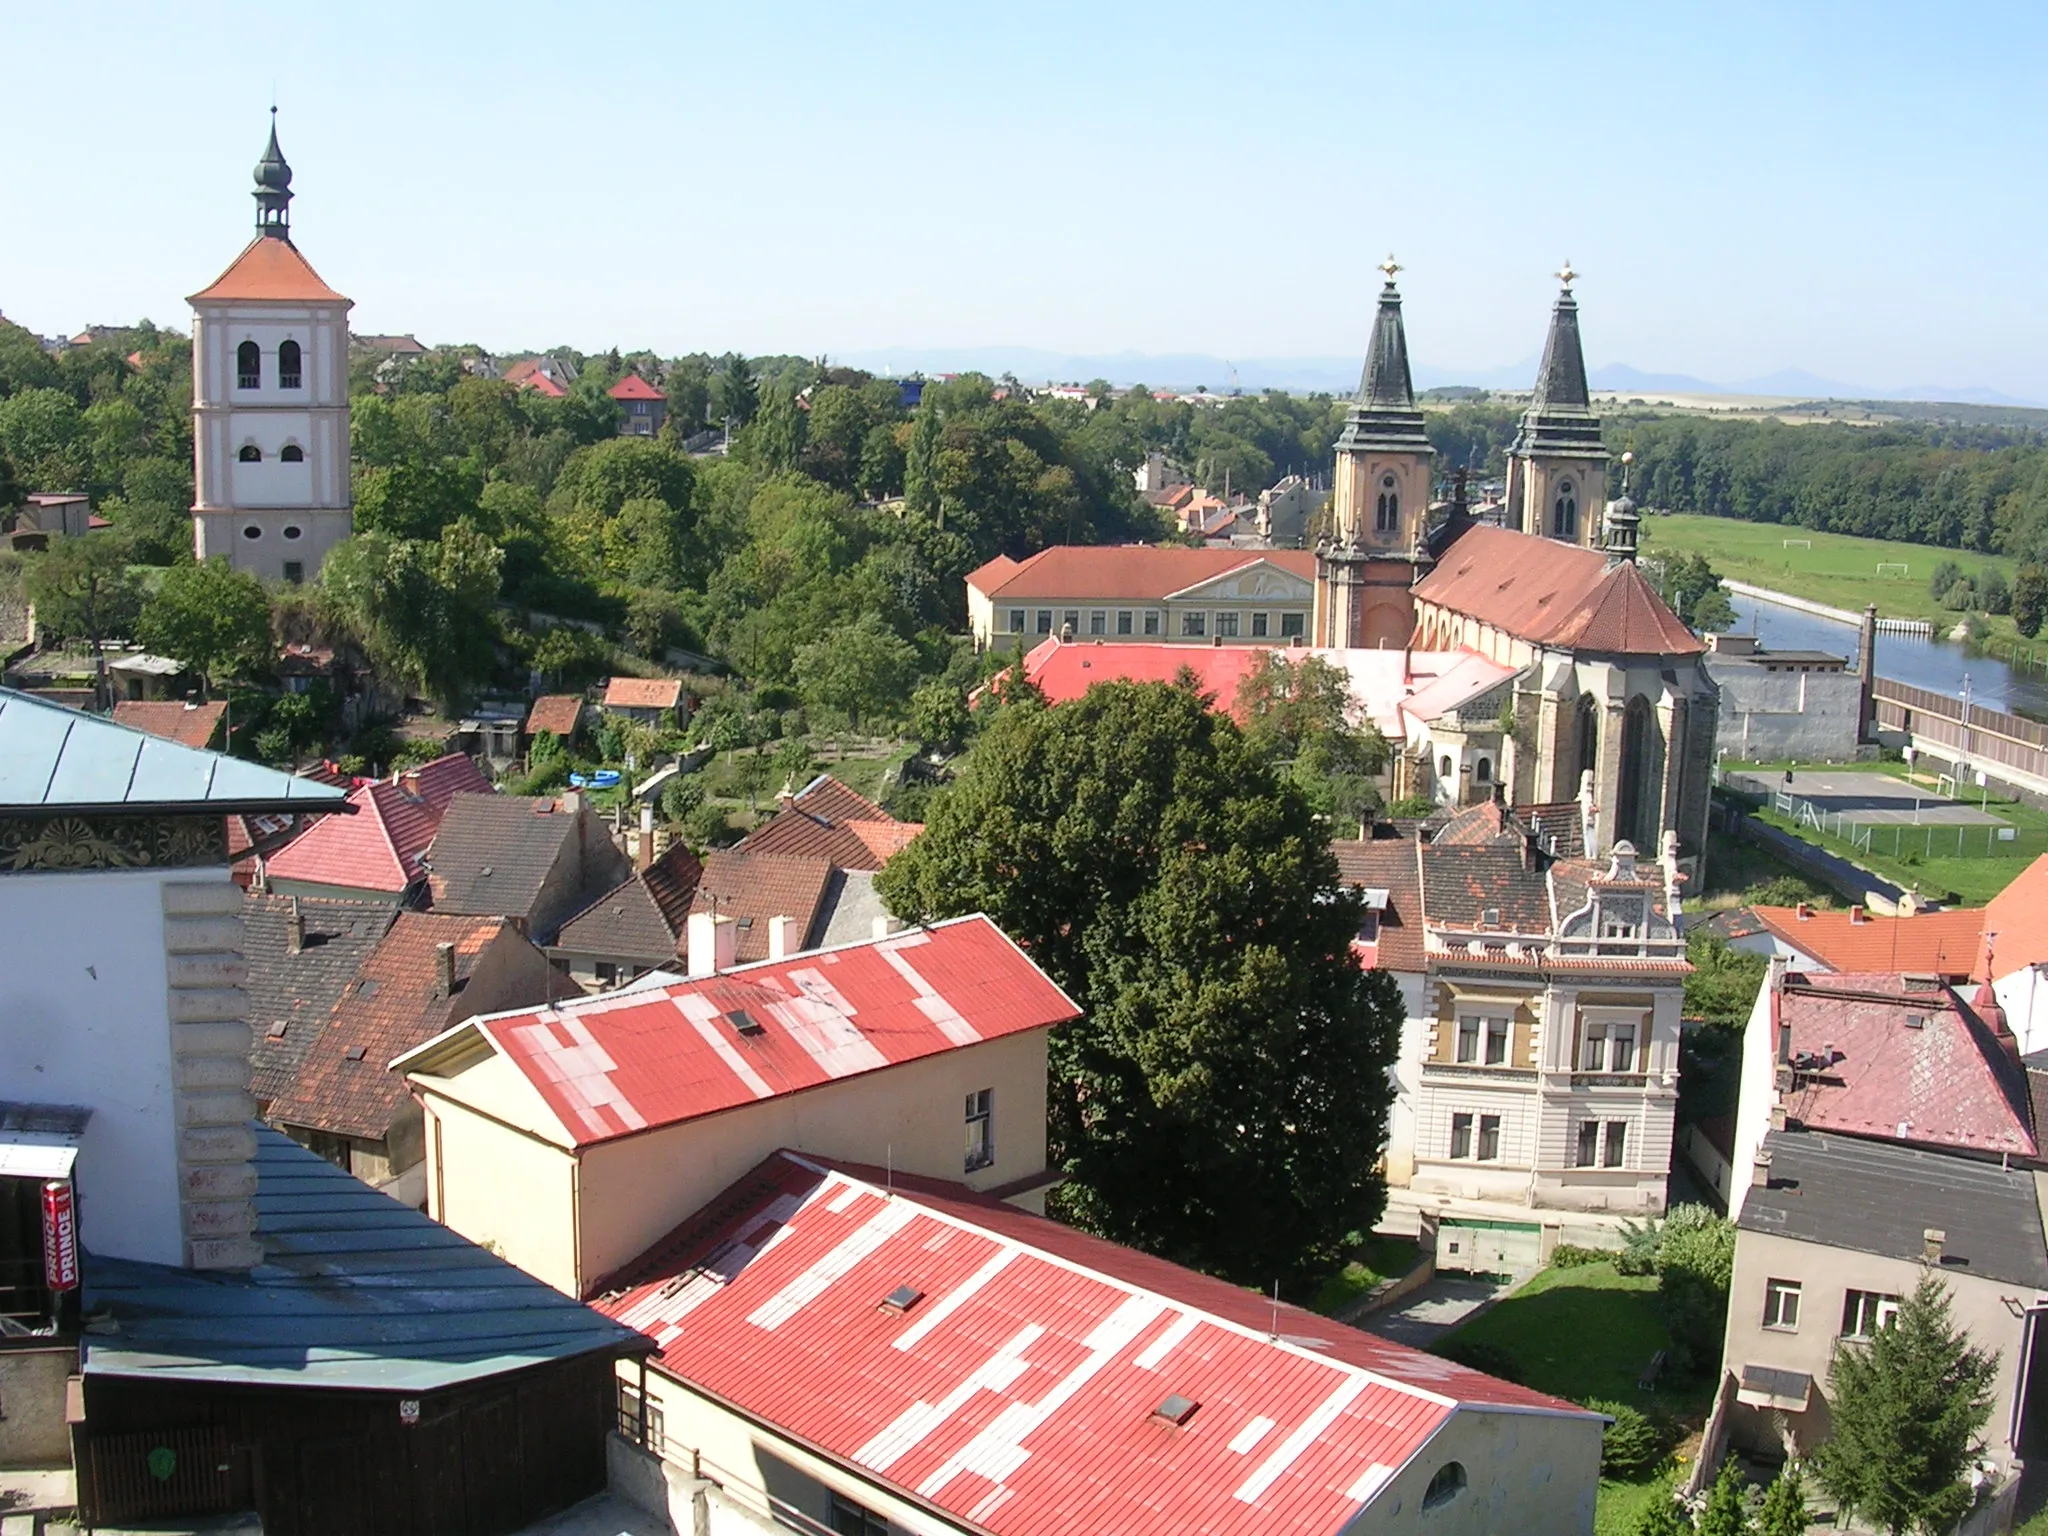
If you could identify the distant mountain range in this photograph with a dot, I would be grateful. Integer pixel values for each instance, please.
(1339, 375)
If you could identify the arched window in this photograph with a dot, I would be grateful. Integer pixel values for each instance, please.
(1443, 766)
(1483, 772)
(292, 453)
(1564, 512)
(1636, 810)
(250, 454)
(288, 365)
(1448, 1483)
(1386, 515)
(1587, 730)
(248, 366)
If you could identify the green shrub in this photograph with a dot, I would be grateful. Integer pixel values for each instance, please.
(1413, 806)
(1572, 1256)
(1638, 1254)
(1481, 1356)
(706, 827)
(1633, 1445)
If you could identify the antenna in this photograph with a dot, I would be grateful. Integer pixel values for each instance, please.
(1275, 1334)
(889, 1168)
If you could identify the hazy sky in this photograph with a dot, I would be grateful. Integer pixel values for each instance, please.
(1856, 190)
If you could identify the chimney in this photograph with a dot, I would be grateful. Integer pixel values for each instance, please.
(1866, 676)
(409, 782)
(712, 945)
(570, 801)
(444, 967)
(1803, 912)
(1857, 916)
(295, 927)
(644, 851)
(785, 797)
(1760, 1170)
(1932, 1241)
(782, 937)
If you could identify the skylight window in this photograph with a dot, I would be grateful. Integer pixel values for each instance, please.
(902, 1299)
(1176, 1409)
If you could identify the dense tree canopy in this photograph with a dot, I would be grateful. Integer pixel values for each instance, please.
(1223, 1100)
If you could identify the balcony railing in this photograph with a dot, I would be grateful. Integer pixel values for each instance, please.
(1473, 1072)
(1610, 1079)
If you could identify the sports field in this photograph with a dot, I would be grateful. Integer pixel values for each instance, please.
(1829, 568)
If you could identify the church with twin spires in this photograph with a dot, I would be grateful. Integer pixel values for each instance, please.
(270, 400)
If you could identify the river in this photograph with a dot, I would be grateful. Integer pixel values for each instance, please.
(1939, 665)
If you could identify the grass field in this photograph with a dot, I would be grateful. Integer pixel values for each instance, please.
(1838, 570)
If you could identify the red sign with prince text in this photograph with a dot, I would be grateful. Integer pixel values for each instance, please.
(60, 1237)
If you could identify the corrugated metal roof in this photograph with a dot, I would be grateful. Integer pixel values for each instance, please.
(619, 1063)
(1019, 1390)
(356, 1290)
(58, 759)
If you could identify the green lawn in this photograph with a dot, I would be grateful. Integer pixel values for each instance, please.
(1377, 1258)
(1838, 570)
(1740, 874)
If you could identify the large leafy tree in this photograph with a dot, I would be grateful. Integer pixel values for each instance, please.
(1299, 714)
(860, 668)
(1907, 1408)
(82, 590)
(424, 610)
(1223, 1100)
(210, 616)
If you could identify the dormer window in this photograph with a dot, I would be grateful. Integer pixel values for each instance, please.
(288, 373)
(250, 454)
(1386, 517)
(1564, 512)
(248, 366)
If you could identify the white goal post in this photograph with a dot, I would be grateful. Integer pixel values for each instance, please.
(1945, 786)
(1800, 543)
(1893, 568)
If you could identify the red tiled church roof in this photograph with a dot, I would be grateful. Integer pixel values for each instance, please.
(270, 269)
(1554, 594)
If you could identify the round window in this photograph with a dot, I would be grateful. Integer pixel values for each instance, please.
(291, 530)
(1448, 1483)
(252, 532)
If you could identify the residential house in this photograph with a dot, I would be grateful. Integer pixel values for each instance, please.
(2015, 954)
(559, 714)
(642, 407)
(187, 723)
(637, 928)
(849, 1348)
(537, 860)
(1286, 510)
(43, 513)
(1135, 592)
(752, 890)
(427, 972)
(302, 954)
(1945, 943)
(655, 701)
(827, 820)
(572, 1138)
(545, 375)
(379, 853)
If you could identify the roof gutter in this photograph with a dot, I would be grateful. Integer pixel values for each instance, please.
(52, 810)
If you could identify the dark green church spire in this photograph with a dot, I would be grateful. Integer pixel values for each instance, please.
(1561, 381)
(1384, 414)
(273, 189)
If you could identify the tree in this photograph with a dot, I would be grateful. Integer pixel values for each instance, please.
(734, 394)
(1723, 1514)
(1723, 982)
(43, 432)
(1695, 1265)
(2029, 599)
(1223, 1098)
(82, 590)
(1784, 1506)
(920, 465)
(938, 714)
(1298, 714)
(775, 440)
(424, 611)
(1908, 1405)
(210, 616)
(1662, 1517)
(570, 657)
(858, 668)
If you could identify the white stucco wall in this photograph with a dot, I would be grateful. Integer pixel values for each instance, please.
(84, 999)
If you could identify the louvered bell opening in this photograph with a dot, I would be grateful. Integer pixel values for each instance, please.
(1176, 1409)
(902, 1299)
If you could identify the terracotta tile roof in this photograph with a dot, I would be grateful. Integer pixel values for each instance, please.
(617, 1063)
(752, 887)
(1554, 594)
(1559, 827)
(494, 853)
(643, 693)
(643, 919)
(772, 1300)
(1388, 864)
(1131, 572)
(190, 725)
(1477, 825)
(557, 713)
(1460, 884)
(344, 1083)
(2018, 917)
(1900, 1063)
(299, 991)
(633, 387)
(827, 820)
(380, 847)
(1939, 943)
(270, 269)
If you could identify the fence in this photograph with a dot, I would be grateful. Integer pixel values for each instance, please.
(1988, 738)
(1892, 839)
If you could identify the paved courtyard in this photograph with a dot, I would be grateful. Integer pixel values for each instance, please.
(1879, 799)
(1438, 1306)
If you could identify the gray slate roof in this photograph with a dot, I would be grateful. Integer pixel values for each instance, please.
(58, 759)
(1879, 1197)
(1384, 415)
(356, 1291)
(300, 990)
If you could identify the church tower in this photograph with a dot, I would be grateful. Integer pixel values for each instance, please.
(270, 400)
(1557, 464)
(1380, 508)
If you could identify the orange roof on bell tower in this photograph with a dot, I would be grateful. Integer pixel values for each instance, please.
(270, 269)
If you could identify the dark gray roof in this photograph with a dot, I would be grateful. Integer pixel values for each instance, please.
(54, 759)
(623, 924)
(355, 1291)
(492, 853)
(1879, 1197)
(1560, 419)
(300, 990)
(1384, 414)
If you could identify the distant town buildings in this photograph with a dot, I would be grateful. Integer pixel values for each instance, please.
(1137, 593)
(642, 407)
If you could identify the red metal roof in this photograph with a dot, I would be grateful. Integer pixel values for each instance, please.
(270, 269)
(1946, 1080)
(1017, 1393)
(1554, 594)
(633, 387)
(1941, 943)
(379, 848)
(616, 1064)
(1066, 670)
(1126, 572)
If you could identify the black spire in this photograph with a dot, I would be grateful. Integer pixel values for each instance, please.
(1384, 413)
(1561, 382)
(273, 189)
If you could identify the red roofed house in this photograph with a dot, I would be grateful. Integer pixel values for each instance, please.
(2015, 956)
(377, 853)
(428, 971)
(656, 701)
(642, 407)
(1947, 944)
(1138, 592)
(827, 820)
(572, 1138)
(852, 1349)
(559, 714)
(190, 725)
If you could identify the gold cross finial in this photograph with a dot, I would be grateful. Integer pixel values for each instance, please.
(1566, 274)
(1390, 267)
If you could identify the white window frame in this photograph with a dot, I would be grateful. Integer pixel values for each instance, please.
(981, 1130)
(1019, 617)
(1486, 1145)
(1781, 1305)
(1469, 1041)
(1873, 1311)
(1463, 1123)
(1226, 626)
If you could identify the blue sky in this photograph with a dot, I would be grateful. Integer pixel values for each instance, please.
(1854, 190)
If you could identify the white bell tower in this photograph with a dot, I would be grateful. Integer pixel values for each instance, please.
(270, 400)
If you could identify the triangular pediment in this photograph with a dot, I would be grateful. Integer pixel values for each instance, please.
(1257, 580)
